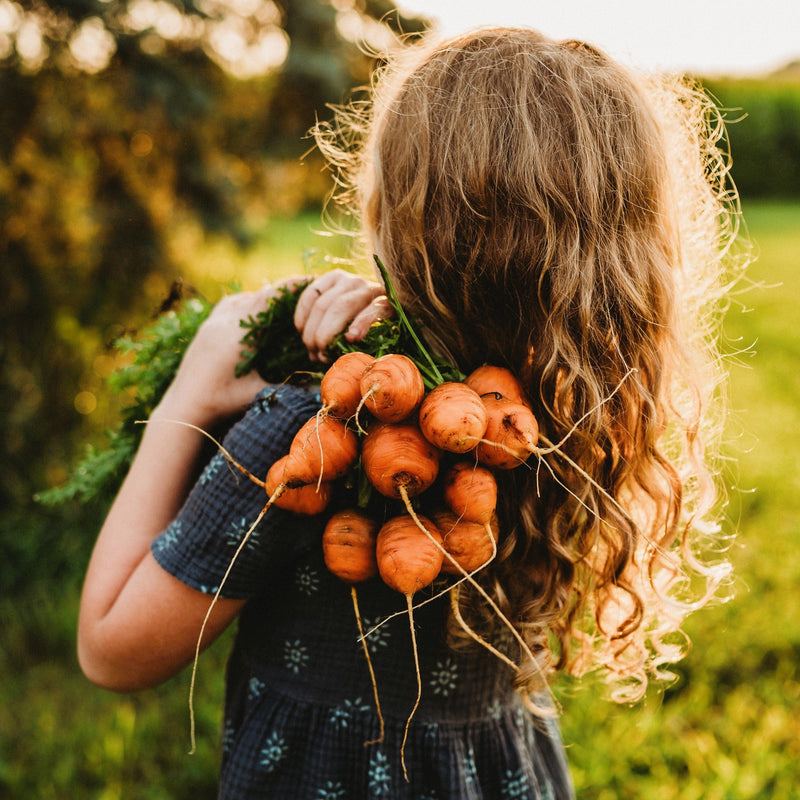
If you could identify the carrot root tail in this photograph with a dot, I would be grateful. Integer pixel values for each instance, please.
(454, 604)
(360, 624)
(192, 721)
(228, 457)
(419, 686)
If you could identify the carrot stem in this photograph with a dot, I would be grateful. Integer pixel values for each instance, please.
(354, 595)
(430, 368)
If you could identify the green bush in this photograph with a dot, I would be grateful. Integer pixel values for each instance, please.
(763, 128)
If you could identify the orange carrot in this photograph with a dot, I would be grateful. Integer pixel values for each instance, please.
(453, 417)
(392, 387)
(307, 498)
(398, 459)
(488, 379)
(409, 559)
(348, 545)
(511, 435)
(471, 544)
(340, 388)
(470, 491)
(327, 446)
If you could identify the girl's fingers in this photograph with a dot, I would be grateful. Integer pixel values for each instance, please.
(327, 306)
(314, 291)
(378, 309)
(331, 314)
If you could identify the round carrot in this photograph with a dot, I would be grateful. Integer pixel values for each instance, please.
(308, 498)
(453, 417)
(392, 387)
(340, 387)
(470, 492)
(511, 435)
(328, 447)
(489, 379)
(471, 544)
(407, 558)
(348, 544)
(398, 459)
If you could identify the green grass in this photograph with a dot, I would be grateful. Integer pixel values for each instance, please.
(726, 731)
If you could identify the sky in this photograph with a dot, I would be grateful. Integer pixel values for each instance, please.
(708, 37)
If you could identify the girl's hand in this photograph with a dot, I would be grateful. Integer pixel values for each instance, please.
(205, 389)
(332, 301)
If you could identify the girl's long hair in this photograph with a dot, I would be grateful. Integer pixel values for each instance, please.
(541, 207)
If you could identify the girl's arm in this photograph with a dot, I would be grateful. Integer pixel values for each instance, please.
(138, 625)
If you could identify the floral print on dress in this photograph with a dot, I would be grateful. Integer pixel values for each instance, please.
(380, 777)
(376, 638)
(444, 677)
(265, 729)
(170, 536)
(306, 579)
(515, 785)
(236, 532)
(273, 752)
(495, 710)
(332, 790)
(228, 735)
(254, 688)
(341, 715)
(469, 768)
(212, 469)
(295, 656)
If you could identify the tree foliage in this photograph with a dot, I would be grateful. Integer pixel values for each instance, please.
(123, 120)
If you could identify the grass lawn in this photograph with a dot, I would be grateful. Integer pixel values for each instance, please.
(727, 730)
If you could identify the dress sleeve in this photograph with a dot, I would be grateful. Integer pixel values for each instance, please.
(200, 543)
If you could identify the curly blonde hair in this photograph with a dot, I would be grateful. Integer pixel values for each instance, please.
(541, 207)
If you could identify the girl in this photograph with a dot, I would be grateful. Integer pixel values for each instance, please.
(538, 207)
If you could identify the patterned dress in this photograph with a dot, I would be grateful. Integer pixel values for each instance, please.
(300, 710)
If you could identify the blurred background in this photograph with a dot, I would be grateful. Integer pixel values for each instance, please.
(157, 148)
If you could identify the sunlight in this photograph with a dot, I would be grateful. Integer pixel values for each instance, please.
(92, 46)
(243, 51)
(30, 43)
(159, 16)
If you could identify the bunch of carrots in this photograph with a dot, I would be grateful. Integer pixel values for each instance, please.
(377, 416)
(410, 432)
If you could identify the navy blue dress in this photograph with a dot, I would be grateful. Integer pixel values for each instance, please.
(300, 709)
